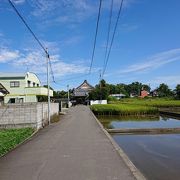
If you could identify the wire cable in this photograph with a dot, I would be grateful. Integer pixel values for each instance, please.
(95, 38)
(27, 26)
(109, 28)
(112, 40)
(35, 37)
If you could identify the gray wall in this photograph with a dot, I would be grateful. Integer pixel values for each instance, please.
(26, 115)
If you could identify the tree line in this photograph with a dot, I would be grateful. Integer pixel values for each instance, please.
(103, 89)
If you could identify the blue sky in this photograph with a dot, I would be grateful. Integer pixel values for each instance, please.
(146, 46)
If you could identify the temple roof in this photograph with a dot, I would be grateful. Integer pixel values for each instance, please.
(85, 86)
(83, 89)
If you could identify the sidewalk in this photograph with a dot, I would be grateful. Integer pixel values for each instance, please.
(74, 149)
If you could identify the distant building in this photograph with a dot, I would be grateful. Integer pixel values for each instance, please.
(81, 93)
(144, 93)
(154, 93)
(118, 96)
(22, 87)
(133, 95)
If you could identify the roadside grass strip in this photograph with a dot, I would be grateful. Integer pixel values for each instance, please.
(10, 138)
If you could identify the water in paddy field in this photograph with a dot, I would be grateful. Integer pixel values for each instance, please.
(156, 156)
(116, 122)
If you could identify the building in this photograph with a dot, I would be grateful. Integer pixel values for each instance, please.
(81, 93)
(22, 87)
(118, 96)
(154, 93)
(3, 92)
(144, 93)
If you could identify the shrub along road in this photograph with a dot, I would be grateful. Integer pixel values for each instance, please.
(75, 148)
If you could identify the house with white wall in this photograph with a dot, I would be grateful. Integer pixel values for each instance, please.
(23, 87)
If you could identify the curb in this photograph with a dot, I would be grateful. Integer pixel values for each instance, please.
(136, 172)
(21, 143)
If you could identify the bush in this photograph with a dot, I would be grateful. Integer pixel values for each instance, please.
(111, 98)
(55, 118)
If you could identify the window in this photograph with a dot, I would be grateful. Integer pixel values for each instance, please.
(11, 100)
(14, 84)
(29, 83)
(37, 85)
(34, 84)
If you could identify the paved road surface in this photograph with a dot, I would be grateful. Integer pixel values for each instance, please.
(73, 149)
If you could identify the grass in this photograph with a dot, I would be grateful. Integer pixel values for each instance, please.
(159, 102)
(55, 118)
(10, 138)
(123, 109)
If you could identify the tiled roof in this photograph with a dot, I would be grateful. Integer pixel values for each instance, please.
(3, 90)
(85, 85)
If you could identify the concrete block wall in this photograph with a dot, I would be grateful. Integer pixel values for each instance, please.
(26, 115)
(42, 113)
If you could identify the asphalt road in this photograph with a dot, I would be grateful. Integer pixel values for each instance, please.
(74, 149)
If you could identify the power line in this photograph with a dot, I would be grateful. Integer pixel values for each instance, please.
(27, 26)
(73, 78)
(109, 28)
(114, 32)
(95, 38)
(45, 50)
(35, 37)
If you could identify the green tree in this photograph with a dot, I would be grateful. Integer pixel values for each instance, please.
(60, 94)
(177, 91)
(146, 87)
(121, 89)
(164, 91)
(101, 91)
(134, 88)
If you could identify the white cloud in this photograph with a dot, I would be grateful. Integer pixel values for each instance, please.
(171, 80)
(71, 40)
(65, 10)
(36, 62)
(70, 11)
(154, 62)
(18, 1)
(128, 27)
(7, 55)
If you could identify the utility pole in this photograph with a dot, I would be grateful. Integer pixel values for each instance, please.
(100, 78)
(68, 94)
(47, 59)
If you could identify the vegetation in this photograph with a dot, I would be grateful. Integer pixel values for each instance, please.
(164, 91)
(55, 118)
(123, 109)
(157, 102)
(135, 106)
(10, 138)
(177, 91)
(103, 90)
